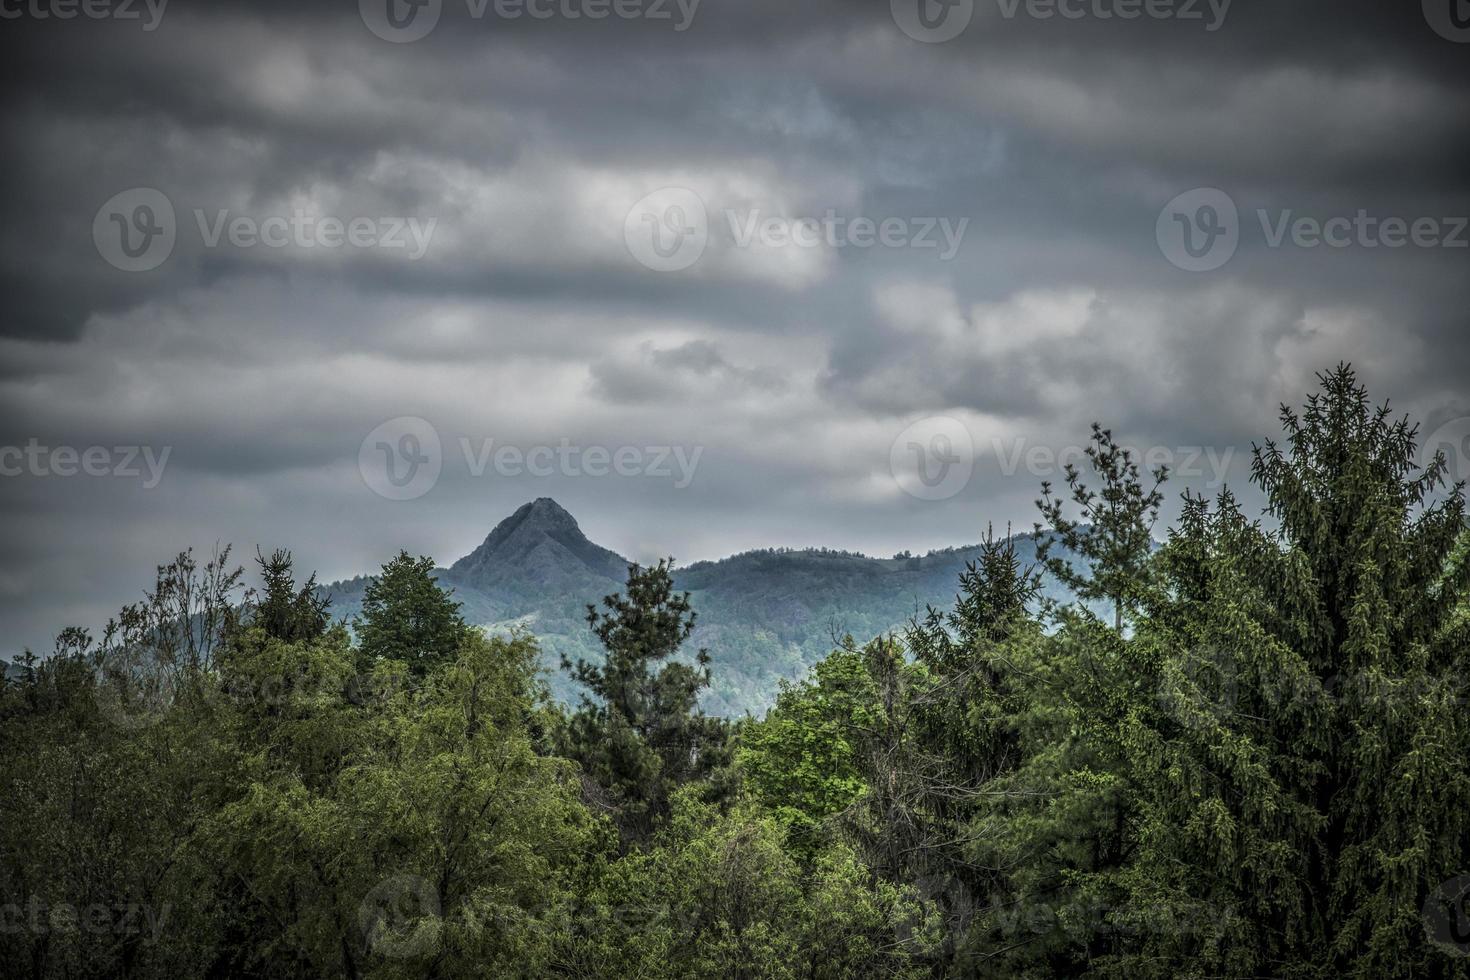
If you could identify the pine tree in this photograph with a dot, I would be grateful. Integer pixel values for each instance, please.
(1114, 533)
(408, 618)
(1047, 837)
(1301, 779)
(639, 732)
(281, 609)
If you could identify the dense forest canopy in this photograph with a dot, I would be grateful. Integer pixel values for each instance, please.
(1236, 747)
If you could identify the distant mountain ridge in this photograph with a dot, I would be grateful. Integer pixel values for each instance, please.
(764, 615)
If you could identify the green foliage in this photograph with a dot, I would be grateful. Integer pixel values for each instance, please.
(1113, 532)
(1304, 787)
(392, 827)
(283, 610)
(766, 616)
(802, 761)
(718, 896)
(639, 734)
(406, 617)
(1256, 766)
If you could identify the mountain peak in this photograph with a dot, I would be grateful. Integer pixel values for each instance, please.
(541, 536)
(545, 509)
(541, 516)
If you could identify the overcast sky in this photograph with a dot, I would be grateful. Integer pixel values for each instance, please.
(740, 266)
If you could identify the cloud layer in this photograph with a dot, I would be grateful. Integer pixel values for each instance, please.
(519, 148)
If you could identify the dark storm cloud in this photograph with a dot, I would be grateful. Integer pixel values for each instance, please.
(518, 147)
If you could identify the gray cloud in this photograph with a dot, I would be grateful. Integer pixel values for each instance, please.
(526, 320)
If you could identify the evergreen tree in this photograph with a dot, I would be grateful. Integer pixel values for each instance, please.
(639, 732)
(1114, 532)
(964, 724)
(1253, 766)
(1048, 829)
(280, 608)
(1304, 790)
(406, 617)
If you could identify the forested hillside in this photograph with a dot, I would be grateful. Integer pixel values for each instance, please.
(765, 616)
(1239, 754)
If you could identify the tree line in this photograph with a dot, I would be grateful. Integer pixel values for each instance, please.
(1240, 750)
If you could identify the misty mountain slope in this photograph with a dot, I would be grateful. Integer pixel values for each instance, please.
(763, 615)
